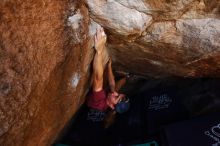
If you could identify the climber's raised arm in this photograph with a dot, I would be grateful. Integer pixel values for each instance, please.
(111, 78)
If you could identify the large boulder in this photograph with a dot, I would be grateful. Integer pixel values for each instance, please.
(161, 38)
(45, 55)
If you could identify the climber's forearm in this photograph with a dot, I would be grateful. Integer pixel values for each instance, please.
(120, 83)
(112, 88)
(111, 78)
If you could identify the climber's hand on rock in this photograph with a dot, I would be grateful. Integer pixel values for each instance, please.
(100, 39)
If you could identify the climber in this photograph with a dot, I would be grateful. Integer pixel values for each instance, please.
(102, 103)
(99, 99)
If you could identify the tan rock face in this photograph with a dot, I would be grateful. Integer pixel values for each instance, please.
(46, 52)
(178, 38)
(45, 55)
(118, 18)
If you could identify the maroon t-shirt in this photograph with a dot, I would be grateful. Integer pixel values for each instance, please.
(97, 100)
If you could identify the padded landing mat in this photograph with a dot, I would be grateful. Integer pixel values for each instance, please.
(201, 131)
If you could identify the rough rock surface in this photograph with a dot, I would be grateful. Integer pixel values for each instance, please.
(45, 56)
(46, 52)
(162, 38)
